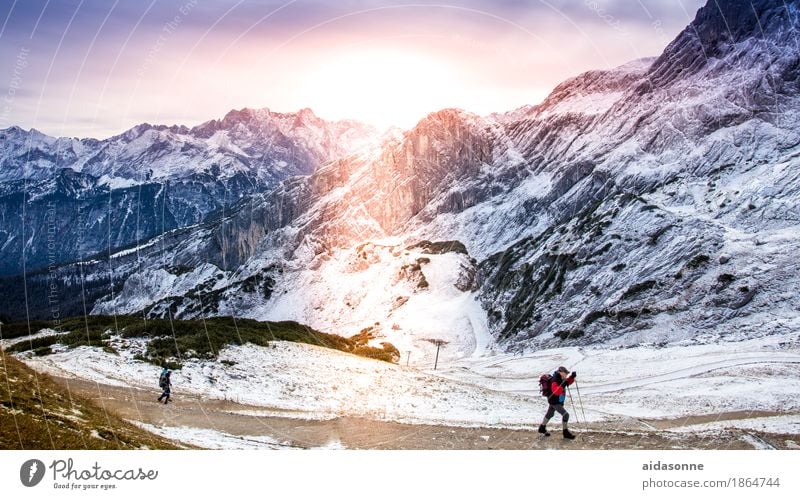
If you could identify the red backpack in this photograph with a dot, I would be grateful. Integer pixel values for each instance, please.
(545, 387)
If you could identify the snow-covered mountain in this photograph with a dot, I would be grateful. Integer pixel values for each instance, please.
(653, 202)
(105, 194)
(263, 145)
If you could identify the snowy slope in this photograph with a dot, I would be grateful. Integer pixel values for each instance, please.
(315, 381)
(418, 295)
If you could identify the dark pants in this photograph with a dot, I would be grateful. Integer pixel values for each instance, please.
(552, 410)
(164, 395)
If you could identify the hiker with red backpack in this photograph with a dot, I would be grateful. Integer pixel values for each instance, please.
(554, 388)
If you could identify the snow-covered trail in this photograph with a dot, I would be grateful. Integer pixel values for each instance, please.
(618, 386)
(315, 381)
(218, 424)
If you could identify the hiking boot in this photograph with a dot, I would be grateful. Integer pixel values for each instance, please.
(568, 435)
(543, 430)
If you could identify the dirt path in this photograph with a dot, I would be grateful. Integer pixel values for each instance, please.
(358, 433)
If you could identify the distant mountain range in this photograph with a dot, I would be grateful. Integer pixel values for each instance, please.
(653, 202)
(128, 188)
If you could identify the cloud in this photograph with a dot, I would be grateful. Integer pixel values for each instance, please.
(126, 61)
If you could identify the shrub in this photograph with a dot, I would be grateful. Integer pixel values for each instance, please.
(569, 333)
(392, 350)
(440, 247)
(698, 260)
(169, 341)
(41, 351)
(374, 353)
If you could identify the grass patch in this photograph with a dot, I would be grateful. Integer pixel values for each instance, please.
(37, 413)
(92, 330)
(170, 342)
(72, 339)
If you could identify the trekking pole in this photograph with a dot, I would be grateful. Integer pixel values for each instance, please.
(572, 403)
(578, 389)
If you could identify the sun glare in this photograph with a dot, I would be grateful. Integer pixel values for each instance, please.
(382, 88)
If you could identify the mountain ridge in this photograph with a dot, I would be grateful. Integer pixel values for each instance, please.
(151, 178)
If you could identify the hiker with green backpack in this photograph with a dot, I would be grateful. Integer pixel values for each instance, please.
(165, 384)
(554, 388)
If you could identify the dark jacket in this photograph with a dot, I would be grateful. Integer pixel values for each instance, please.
(557, 386)
(164, 382)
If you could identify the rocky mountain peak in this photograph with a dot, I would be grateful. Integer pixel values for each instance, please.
(718, 30)
(722, 23)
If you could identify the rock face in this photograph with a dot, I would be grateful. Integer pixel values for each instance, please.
(663, 236)
(652, 202)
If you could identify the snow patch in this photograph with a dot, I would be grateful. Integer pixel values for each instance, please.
(212, 439)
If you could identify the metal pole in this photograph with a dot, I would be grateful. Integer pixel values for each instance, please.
(436, 363)
(578, 389)
(569, 392)
(408, 358)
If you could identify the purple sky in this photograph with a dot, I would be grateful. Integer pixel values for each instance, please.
(97, 67)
